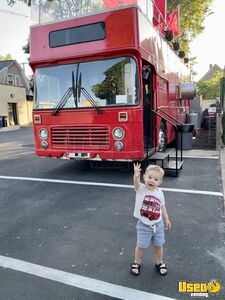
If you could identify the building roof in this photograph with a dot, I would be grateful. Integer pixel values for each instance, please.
(211, 72)
(6, 63)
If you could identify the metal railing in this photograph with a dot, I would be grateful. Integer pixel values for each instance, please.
(176, 133)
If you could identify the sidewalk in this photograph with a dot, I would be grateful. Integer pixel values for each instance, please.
(9, 128)
(222, 165)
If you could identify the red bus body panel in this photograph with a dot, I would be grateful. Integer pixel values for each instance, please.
(128, 32)
(121, 33)
(89, 120)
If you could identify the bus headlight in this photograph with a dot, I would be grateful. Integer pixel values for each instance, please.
(44, 144)
(43, 134)
(118, 145)
(118, 133)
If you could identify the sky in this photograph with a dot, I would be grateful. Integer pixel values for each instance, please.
(208, 47)
(14, 31)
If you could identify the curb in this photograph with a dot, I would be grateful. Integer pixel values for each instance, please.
(222, 164)
(10, 128)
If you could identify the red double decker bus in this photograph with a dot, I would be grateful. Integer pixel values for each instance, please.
(107, 82)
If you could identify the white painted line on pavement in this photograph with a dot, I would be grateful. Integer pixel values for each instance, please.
(90, 284)
(16, 148)
(126, 186)
(210, 193)
(199, 157)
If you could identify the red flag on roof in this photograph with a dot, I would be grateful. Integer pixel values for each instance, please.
(173, 22)
(116, 3)
(159, 10)
(159, 13)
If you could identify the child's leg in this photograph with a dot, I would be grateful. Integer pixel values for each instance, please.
(138, 254)
(135, 267)
(160, 266)
(158, 254)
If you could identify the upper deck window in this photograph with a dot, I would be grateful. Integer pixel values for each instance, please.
(76, 35)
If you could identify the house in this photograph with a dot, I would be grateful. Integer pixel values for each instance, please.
(211, 72)
(16, 97)
(213, 69)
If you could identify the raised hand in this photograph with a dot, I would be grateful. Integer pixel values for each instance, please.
(137, 169)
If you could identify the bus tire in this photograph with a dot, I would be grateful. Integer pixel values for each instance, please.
(162, 138)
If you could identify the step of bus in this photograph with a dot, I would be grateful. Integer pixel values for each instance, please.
(171, 169)
(160, 157)
(171, 165)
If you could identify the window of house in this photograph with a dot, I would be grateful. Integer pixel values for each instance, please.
(17, 80)
(10, 79)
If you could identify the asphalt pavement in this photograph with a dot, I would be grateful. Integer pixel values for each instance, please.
(54, 215)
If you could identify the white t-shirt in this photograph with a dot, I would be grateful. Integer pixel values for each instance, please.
(148, 205)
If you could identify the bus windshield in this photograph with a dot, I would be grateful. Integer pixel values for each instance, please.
(110, 82)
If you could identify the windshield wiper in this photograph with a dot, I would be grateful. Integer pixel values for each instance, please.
(75, 86)
(90, 99)
(70, 91)
(76, 90)
(63, 100)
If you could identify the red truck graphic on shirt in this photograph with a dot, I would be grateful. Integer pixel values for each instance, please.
(150, 208)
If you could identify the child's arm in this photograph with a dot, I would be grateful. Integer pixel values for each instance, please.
(166, 217)
(137, 175)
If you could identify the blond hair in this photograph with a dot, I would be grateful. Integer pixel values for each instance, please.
(155, 168)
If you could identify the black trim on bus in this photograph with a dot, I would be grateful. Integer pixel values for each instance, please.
(77, 35)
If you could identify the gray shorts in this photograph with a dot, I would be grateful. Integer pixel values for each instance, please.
(146, 235)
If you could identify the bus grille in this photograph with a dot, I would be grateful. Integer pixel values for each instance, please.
(84, 137)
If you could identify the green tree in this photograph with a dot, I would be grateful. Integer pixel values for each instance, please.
(12, 2)
(192, 16)
(26, 48)
(210, 89)
(6, 57)
(113, 84)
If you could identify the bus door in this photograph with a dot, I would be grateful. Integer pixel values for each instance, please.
(147, 78)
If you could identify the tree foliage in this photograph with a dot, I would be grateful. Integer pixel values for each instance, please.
(6, 57)
(192, 16)
(210, 89)
(112, 85)
(12, 2)
(26, 48)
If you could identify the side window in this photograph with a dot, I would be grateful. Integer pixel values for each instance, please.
(10, 79)
(17, 80)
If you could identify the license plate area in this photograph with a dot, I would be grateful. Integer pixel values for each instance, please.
(79, 155)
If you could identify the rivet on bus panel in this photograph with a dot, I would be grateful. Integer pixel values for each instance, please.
(123, 116)
(37, 119)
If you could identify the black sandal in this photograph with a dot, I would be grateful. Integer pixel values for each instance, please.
(135, 266)
(161, 267)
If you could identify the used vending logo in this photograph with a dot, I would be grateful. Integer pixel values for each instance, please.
(199, 289)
